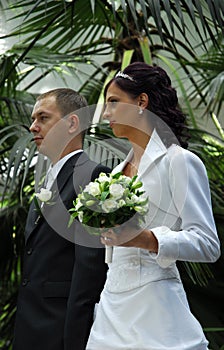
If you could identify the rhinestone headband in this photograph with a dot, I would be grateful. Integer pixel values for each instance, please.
(124, 76)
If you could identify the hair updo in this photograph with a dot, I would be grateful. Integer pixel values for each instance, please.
(163, 101)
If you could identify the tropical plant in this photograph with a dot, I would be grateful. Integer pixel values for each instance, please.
(89, 40)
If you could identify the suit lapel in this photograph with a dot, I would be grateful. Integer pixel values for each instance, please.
(34, 218)
(68, 170)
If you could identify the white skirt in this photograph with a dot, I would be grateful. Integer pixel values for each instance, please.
(155, 316)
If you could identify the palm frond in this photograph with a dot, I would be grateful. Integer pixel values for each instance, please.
(62, 38)
(209, 74)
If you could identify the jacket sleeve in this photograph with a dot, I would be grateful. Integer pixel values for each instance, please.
(197, 240)
(88, 279)
(89, 275)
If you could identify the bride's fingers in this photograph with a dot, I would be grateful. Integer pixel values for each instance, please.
(107, 241)
(121, 235)
(109, 237)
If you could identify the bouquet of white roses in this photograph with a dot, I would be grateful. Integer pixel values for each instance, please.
(109, 201)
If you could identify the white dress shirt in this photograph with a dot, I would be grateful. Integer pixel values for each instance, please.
(53, 170)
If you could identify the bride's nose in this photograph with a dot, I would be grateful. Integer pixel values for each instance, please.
(106, 112)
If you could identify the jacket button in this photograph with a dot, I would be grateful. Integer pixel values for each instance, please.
(29, 251)
(25, 282)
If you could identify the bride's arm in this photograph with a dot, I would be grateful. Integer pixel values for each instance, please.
(145, 240)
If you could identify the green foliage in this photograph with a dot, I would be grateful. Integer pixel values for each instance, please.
(87, 40)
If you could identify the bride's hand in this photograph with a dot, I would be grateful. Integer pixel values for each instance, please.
(139, 238)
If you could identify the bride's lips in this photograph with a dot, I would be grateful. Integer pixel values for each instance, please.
(112, 122)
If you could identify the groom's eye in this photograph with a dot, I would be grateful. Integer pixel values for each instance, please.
(43, 118)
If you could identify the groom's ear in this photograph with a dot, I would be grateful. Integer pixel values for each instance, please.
(73, 120)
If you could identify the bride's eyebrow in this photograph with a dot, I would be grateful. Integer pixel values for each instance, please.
(113, 97)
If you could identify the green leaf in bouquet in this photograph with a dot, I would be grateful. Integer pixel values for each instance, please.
(72, 218)
(136, 185)
(133, 180)
(116, 176)
(104, 195)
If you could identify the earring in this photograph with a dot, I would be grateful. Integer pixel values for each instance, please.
(140, 111)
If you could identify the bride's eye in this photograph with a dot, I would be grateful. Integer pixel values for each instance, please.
(110, 104)
(113, 102)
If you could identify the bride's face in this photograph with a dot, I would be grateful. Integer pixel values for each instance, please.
(122, 111)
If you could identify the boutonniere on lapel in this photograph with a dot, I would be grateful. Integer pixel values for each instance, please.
(41, 198)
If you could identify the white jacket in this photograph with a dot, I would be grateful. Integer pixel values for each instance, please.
(180, 214)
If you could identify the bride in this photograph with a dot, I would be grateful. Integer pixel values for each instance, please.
(143, 304)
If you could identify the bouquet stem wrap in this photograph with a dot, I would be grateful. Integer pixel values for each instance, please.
(108, 254)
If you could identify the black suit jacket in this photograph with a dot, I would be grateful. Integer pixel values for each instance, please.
(64, 270)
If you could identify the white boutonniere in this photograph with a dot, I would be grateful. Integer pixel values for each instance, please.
(44, 197)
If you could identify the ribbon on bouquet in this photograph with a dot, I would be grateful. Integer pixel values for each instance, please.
(108, 254)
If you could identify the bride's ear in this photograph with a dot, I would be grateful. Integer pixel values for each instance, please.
(143, 100)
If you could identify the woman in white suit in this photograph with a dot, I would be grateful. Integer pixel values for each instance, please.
(143, 304)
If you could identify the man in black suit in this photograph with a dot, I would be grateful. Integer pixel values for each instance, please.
(63, 270)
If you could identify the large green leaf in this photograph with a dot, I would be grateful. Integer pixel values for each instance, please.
(209, 78)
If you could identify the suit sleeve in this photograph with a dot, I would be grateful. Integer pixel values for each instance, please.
(87, 283)
(89, 275)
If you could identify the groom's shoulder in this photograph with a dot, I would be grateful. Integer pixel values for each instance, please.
(90, 168)
(99, 168)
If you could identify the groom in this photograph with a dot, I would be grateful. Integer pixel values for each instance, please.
(63, 269)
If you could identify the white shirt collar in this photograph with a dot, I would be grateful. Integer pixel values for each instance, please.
(53, 170)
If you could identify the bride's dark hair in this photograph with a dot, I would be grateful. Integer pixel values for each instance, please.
(163, 101)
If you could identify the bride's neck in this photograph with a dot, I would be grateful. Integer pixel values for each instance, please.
(139, 145)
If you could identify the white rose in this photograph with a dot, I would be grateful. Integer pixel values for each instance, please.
(134, 198)
(103, 178)
(128, 200)
(121, 203)
(93, 188)
(44, 195)
(142, 198)
(109, 205)
(116, 190)
(125, 179)
(140, 209)
(78, 204)
(80, 216)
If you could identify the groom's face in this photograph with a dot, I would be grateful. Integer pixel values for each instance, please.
(48, 127)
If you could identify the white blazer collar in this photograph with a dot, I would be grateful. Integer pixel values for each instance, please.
(154, 149)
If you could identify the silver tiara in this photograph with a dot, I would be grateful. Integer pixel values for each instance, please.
(123, 75)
